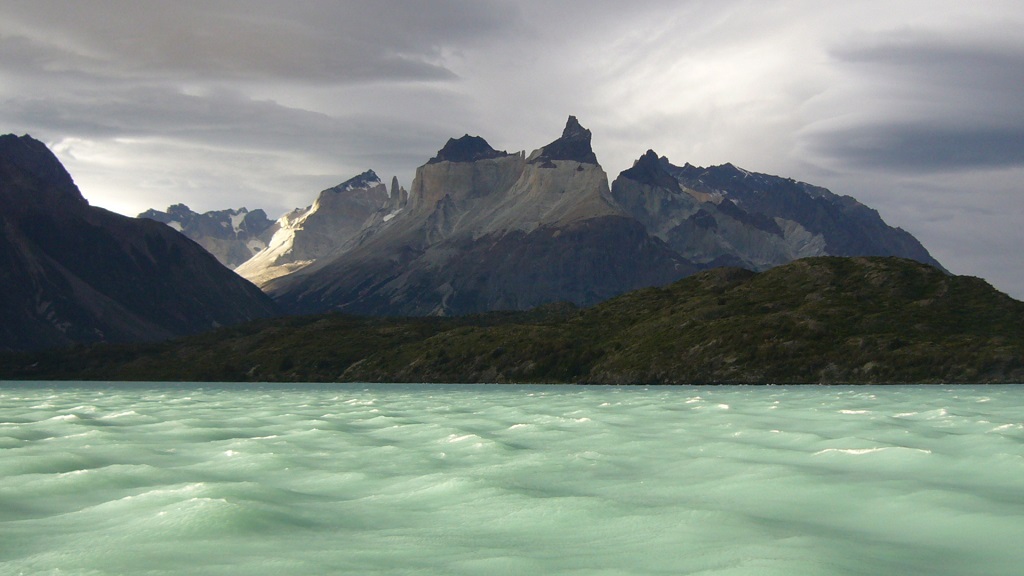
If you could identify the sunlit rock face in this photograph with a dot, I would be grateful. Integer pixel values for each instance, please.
(232, 236)
(486, 230)
(304, 235)
(73, 273)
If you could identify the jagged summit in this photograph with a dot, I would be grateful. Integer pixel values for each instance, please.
(573, 145)
(232, 235)
(573, 129)
(648, 169)
(466, 149)
(365, 180)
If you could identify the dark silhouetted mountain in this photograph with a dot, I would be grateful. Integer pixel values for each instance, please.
(73, 273)
(233, 236)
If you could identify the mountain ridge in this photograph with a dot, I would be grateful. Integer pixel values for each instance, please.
(73, 273)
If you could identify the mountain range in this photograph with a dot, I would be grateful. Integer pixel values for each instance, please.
(484, 229)
(479, 230)
(74, 273)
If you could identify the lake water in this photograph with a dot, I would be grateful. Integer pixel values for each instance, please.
(204, 479)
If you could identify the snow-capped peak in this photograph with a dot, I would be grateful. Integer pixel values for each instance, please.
(367, 179)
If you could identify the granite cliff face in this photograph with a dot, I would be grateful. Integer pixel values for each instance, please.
(232, 236)
(304, 235)
(485, 230)
(72, 273)
(724, 215)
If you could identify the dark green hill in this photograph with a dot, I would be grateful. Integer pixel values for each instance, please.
(831, 320)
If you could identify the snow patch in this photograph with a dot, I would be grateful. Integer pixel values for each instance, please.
(255, 245)
(236, 221)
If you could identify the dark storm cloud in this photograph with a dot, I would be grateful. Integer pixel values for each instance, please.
(333, 42)
(930, 104)
(935, 61)
(924, 147)
(221, 117)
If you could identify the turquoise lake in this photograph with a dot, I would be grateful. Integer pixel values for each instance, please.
(208, 479)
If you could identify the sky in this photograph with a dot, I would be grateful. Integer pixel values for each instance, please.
(914, 107)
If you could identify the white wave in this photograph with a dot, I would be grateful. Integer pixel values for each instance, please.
(863, 451)
(65, 418)
(120, 415)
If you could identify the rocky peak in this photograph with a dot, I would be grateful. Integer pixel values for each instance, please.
(255, 222)
(367, 179)
(573, 129)
(685, 172)
(573, 145)
(649, 170)
(28, 164)
(180, 210)
(466, 149)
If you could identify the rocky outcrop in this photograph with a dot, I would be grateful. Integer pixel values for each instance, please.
(72, 273)
(232, 236)
(574, 145)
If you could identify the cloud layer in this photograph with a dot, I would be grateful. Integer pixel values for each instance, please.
(913, 108)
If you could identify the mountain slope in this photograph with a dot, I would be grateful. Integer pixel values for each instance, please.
(725, 215)
(302, 236)
(73, 273)
(831, 320)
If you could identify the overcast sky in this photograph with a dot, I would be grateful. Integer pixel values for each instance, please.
(914, 107)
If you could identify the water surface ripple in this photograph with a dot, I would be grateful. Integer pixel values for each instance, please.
(425, 479)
